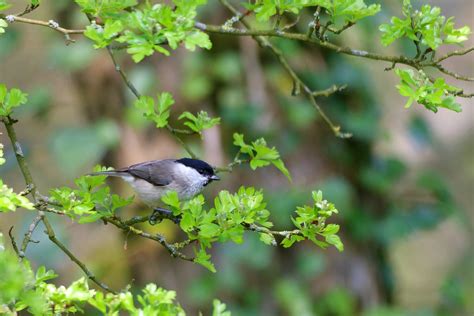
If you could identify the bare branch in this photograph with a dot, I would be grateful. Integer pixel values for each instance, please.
(13, 241)
(453, 74)
(51, 24)
(28, 234)
(329, 91)
(455, 53)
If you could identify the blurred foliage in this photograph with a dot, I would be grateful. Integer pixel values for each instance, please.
(382, 198)
(23, 289)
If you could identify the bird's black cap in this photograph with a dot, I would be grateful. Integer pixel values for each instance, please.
(201, 166)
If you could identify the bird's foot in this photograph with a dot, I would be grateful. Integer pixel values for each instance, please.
(161, 213)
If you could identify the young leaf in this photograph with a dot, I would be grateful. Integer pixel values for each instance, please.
(200, 122)
(260, 154)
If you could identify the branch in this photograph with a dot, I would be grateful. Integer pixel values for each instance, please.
(30, 184)
(29, 8)
(28, 234)
(51, 24)
(260, 229)
(116, 221)
(12, 239)
(304, 38)
(52, 236)
(455, 53)
(453, 74)
(342, 29)
(137, 94)
(329, 91)
(296, 79)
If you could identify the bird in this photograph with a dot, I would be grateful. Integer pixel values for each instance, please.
(151, 180)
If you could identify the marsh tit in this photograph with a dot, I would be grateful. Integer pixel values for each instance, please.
(153, 179)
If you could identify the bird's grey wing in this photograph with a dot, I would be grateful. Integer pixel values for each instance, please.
(157, 172)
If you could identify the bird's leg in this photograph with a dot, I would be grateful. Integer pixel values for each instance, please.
(161, 213)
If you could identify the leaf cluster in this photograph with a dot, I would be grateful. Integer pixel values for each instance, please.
(200, 122)
(9, 200)
(311, 222)
(345, 10)
(419, 88)
(260, 154)
(10, 99)
(426, 26)
(233, 214)
(157, 112)
(90, 201)
(23, 290)
(146, 28)
(3, 25)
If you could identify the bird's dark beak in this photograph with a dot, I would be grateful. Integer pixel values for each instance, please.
(214, 178)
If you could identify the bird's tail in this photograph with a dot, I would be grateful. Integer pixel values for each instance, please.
(109, 173)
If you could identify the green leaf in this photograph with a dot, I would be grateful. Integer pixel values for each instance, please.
(330, 229)
(268, 239)
(105, 8)
(10, 201)
(417, 87)
(289, 241)
(345, 10)
(261, 155)
(219, 309)
(171, 199)
(335, 241)
(209, 230)
(197, 38)
(203, 258)
(2, 160)
(10, 99)
(200, 122)
(281, 166)
(3, 24)
(156, 112)
(426, 26)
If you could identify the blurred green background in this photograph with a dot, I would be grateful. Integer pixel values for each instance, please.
(404, 184)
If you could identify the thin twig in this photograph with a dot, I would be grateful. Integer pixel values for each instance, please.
(281, 58)
(29, 8)
(13, 241)
(455, 53)
(30, 184)
(52, 236)
(327, 92)
(28, 234)
(342, 29)
(230, 166)
(453, 74)
(20, 158)
(137, 94)
(156, 237)
(260, 229)
(51, 24)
